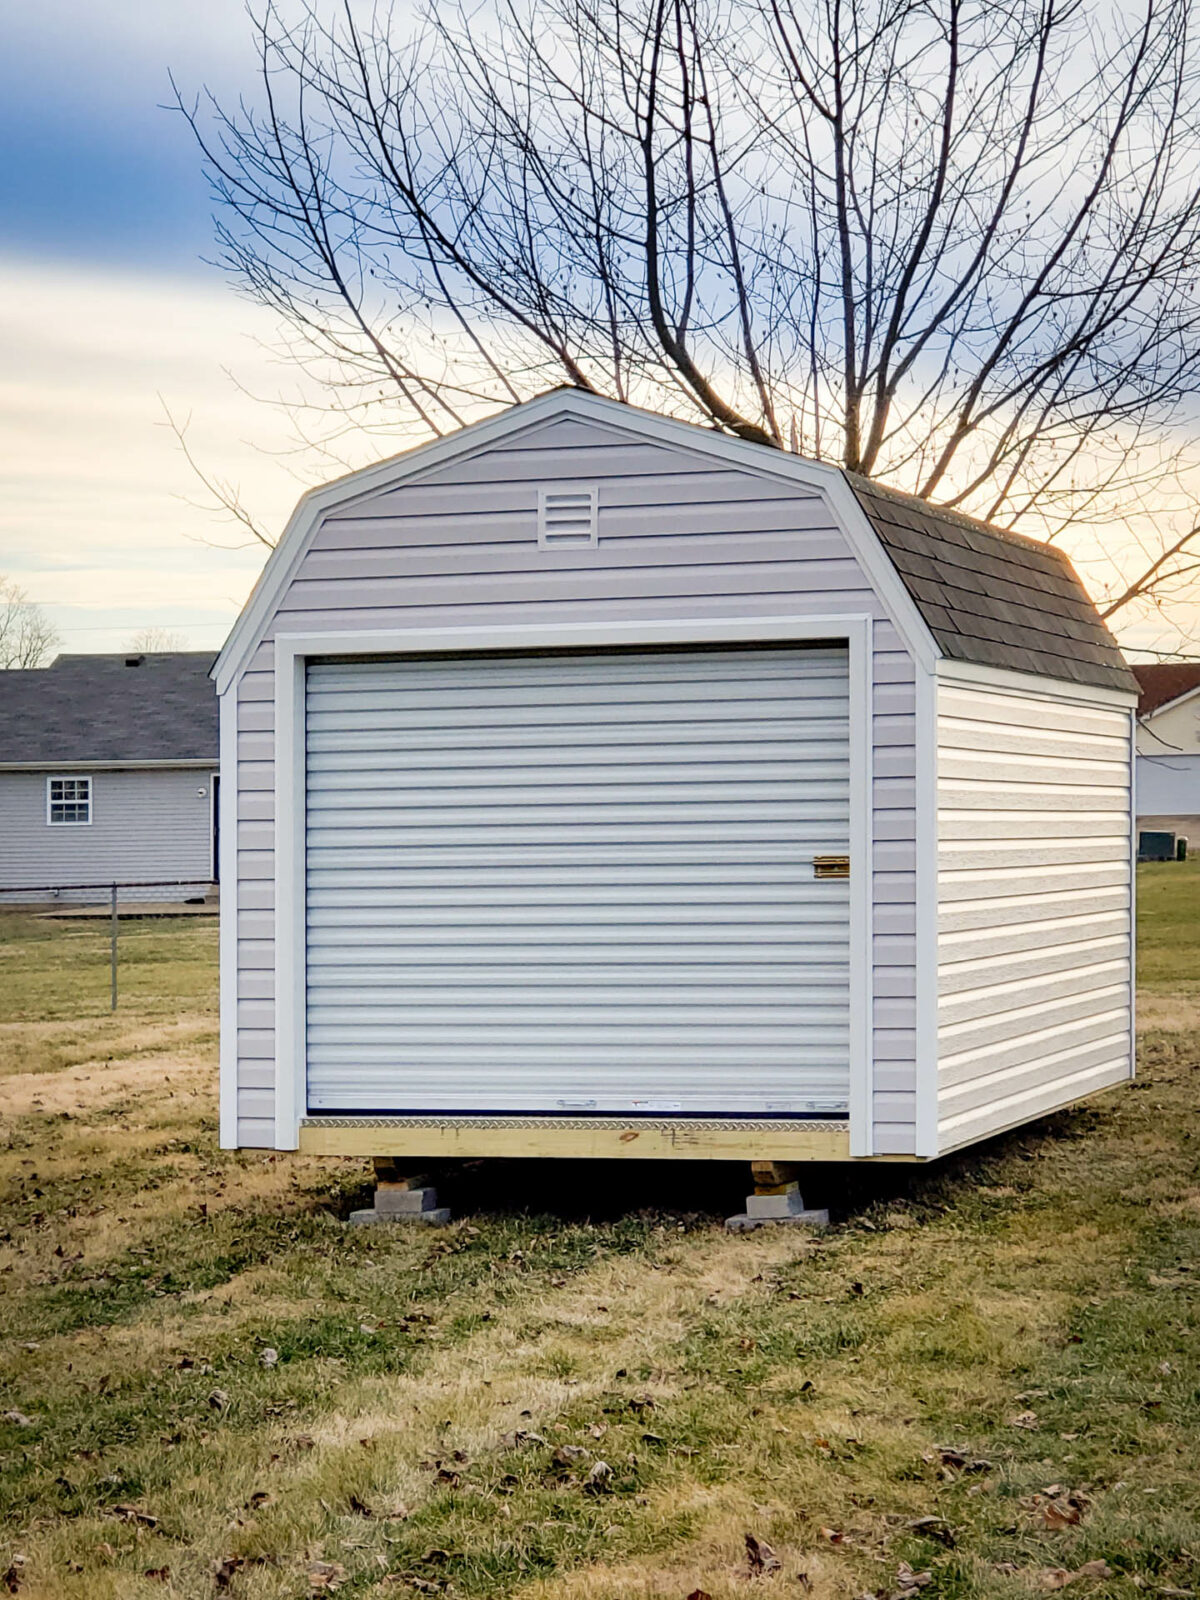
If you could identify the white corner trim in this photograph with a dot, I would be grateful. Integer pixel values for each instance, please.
(228, 928)
(292, 652)
(290, 1009)
(862, 899)
(829, 481)
(926, 930)
(972, 675)
(1133, 856)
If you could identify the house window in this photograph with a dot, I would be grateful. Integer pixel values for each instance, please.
(68, 801)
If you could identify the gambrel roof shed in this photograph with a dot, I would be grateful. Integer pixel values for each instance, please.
(605, 784)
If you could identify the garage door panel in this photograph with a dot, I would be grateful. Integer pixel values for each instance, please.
(588, 880)
(453, 746)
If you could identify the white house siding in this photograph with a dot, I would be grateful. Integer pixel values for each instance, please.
(679, 537)
(148, 823)
(1035, 904)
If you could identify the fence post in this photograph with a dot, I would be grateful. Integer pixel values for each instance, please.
(112, 940)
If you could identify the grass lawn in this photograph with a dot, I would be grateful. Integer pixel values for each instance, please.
(985, 1380)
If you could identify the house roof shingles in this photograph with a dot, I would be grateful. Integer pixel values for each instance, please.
(993, 597)
(1164, 681)
(100, 708)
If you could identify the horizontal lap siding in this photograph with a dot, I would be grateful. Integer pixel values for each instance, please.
(678, 538)
(145, 825)
(1034, 900)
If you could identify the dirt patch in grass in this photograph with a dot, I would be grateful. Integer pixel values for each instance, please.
(144, 1062)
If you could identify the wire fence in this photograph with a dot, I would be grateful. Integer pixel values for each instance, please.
(112, 892)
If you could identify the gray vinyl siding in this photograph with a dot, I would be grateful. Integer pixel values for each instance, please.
(679, 538)
(145, 824)
(1035, 906)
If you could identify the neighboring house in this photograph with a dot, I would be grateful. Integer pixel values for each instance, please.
(108, 773)
(605, 785)
(1168, 748)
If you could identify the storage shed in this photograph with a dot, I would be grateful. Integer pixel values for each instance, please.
(598, 784)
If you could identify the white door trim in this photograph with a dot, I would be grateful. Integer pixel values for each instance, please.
(227, 933)
(291, 654)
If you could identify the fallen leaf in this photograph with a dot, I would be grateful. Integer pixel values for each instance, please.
(326, 1575)
(699, 1594)
(1064, 1512)
(569, 1455)
(761, 1557)
(833, 1535)
(599, 1475)
(134, 1514)
(1052, 1578)
(907, 1579)
(159, 1574)
(934, 1528)
(14, 1577)
(228, 1569)
(218, 1399)
(360, 1507)
(1024, 1419)
(18, 1419)
(259, 1498)
(268, 1357)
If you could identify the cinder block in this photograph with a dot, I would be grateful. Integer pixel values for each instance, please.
(398, 1200)
(744, 1223)
(773, 1206)
(437, 1218)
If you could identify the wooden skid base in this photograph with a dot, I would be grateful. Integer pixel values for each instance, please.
(576, 1138)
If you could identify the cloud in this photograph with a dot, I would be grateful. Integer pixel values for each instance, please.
(94, 518)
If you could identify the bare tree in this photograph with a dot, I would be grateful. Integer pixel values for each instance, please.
(26, 635)
(149, 640)
(945, 243)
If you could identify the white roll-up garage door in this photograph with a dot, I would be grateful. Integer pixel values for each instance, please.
(575, 883)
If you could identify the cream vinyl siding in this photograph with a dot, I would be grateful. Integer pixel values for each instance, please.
(1034, 905)
(579, 882)
(679, 536)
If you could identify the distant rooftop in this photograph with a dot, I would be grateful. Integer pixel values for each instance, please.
(1161, 682)
(154, 707)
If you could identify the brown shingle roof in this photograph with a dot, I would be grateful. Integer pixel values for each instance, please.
(1163, 681)
(993, 597)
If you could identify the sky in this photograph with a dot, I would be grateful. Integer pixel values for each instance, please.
(111, 321)
(110, 318)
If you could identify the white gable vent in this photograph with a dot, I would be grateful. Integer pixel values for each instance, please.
(566, 518)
